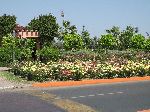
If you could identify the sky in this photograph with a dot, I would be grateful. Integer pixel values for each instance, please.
(95, 15)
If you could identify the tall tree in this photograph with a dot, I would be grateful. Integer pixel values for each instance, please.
(138, 41)
(7, 24)
(47, 27)
(126, 36)
(123, 38)
(114, 31)
(86, 38)
(73, 42)
(107, 42)
(147, 44)
(66, 28)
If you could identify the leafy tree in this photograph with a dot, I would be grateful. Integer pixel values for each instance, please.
(94, 43)
(67, 28)
(126, 36)
(123, 38)
(86, 38)
(147, 44)
(7, 24)
(137, 41)
(114, 31)
(107, 42)
(73, 41)
(16, 49)
(47, 27)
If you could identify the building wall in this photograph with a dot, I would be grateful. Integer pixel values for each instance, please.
(27, 34)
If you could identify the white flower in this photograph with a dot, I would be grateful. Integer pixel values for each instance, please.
(33, 68)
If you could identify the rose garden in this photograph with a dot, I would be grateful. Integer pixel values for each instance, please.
(64, 53)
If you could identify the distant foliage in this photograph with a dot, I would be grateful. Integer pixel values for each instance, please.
(48, 53)
(83, 55)
(147, 45)
(86, 39)
(114, 31)
(7, 24)
(66, 28)
(73, 41)
(126, 36)
(16, 49)
(138, 41)
(107, 42)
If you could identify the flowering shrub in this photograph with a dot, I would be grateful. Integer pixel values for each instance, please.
(48, 53)
(78, 70)
(83, 55)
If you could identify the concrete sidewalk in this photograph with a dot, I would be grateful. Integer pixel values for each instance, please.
(4, 68)
(6, 84)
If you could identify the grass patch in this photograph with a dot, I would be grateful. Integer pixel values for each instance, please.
(11, 77)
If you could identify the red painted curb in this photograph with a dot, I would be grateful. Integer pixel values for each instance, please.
(144, 111)
(85, 82)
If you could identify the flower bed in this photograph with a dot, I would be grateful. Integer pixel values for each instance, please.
(78, 70)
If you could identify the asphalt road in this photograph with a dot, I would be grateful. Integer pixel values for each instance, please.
(120, 97)
(21, 102)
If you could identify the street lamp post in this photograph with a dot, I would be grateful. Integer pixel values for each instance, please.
(62, 29)
(62, 14)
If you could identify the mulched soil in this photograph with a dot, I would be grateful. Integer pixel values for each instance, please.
(88, 82)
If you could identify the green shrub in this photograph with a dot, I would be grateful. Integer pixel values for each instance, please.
(107, 42)
(83, 55)
(73, 41)
(5, 56)
(147, 45)
(137, 41)
(49, 53)
(15, 49)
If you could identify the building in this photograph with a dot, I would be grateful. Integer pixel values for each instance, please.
(22, 32)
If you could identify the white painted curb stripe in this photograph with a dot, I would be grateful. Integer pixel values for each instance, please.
(7, 87)
(10, 87)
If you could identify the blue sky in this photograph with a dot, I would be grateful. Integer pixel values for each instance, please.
(95, 15)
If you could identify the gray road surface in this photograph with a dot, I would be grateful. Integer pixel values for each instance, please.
(120, 97)
(19, 102)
